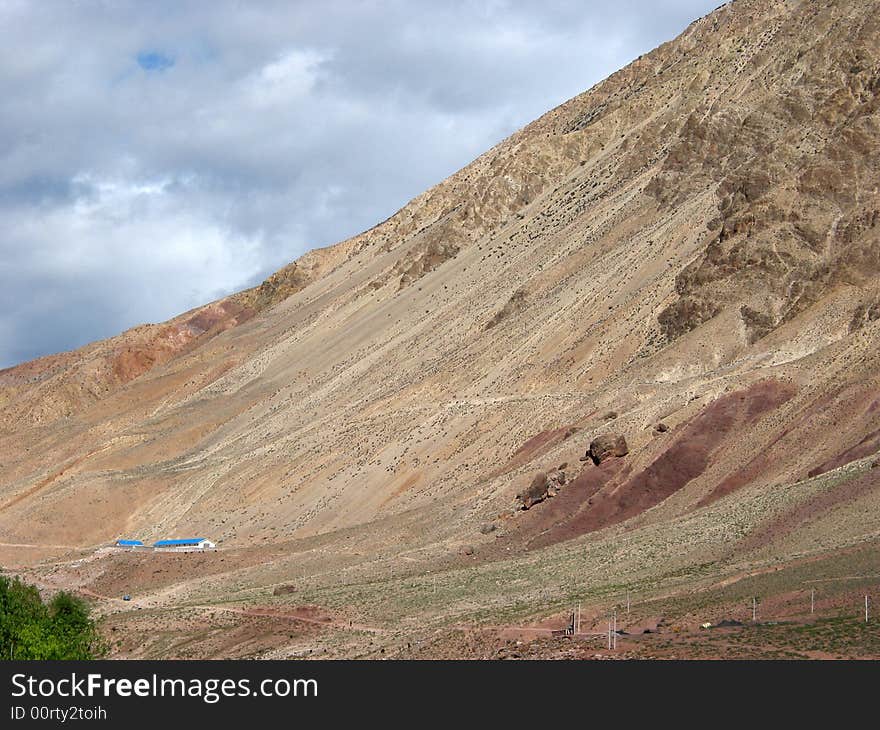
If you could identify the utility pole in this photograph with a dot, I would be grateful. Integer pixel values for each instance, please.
(754, 609)
(627, 601)
(866, 608)
(615, 628)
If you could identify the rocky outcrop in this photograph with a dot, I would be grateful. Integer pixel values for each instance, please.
(606, 446)
(555, 481)
(543, 486)
(865, 313)
(535, 492)
(276, 288)
(423, 259)
(796, 220)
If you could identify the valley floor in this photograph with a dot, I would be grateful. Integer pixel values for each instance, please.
(812, 607)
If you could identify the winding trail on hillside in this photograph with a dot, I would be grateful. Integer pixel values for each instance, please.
(268, 613)
(36, 545)
(327, 622)
(50, 479)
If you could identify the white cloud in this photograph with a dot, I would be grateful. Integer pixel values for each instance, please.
(287, 79)
(140, 229)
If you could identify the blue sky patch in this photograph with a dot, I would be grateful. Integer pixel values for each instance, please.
(154, 61)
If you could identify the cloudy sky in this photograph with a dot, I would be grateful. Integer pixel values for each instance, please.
(157, 156)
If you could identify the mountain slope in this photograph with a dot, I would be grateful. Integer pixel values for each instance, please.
(694, 241)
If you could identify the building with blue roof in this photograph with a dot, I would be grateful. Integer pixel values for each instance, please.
(129, 543)
(186, 543)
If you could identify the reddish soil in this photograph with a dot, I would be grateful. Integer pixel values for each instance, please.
(594, 500)
(761, 463)
(226, 315)
(692, 450)
(847, 400)
(168, 341)
(135, 361)
(551, 521)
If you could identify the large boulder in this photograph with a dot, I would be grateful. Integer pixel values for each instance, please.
(606, 446)
(543, 486)
(535, 492)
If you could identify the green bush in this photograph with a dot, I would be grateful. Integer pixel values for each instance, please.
(31, 629)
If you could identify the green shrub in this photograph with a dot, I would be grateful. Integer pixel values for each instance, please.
(31, 629)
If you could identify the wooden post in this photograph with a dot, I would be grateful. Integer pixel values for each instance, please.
(627, 601)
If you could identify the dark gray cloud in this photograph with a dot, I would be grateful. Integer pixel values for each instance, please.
(155, 156)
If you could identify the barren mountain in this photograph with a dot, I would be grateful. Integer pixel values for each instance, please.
(686, 255)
